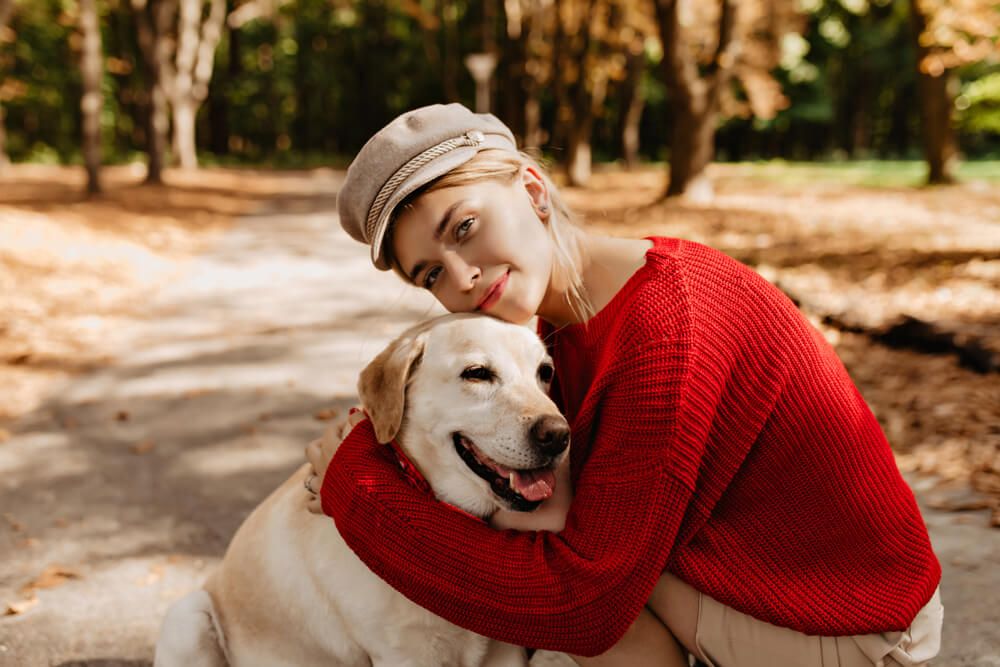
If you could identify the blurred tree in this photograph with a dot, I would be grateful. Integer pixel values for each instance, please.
(301, 81)
(6, 9)
(92, 100)
(631, 98)
(706, 49)
(948, 34)
(198, 33)
(154, 20)
(590, 41)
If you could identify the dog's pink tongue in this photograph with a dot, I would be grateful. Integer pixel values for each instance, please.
(534, 484)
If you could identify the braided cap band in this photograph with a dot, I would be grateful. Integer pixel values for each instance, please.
(471, 138)
(408, 153)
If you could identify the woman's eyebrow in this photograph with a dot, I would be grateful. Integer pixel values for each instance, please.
(438, 233)
(445, 218)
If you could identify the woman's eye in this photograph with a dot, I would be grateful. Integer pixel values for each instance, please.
(431, 277)
(545, 373)
(463, 227)
(479, 373)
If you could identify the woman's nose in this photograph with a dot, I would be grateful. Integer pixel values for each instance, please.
(463, 273)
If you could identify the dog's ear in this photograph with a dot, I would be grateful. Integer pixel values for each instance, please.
(382, 385)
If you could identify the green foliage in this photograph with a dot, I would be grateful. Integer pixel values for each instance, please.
(313, 82)
(863, 173)
(41, 118)
(979, 105)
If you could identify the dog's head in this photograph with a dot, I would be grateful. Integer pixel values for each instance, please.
(465, 398)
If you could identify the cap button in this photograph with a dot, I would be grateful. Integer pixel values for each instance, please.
(475, 136)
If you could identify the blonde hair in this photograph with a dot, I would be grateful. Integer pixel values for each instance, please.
(505, 166)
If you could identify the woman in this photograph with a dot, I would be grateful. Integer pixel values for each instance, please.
(732, 489)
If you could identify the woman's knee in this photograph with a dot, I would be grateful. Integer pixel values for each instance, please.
(647, 642)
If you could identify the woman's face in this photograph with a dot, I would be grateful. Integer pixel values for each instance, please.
(479, 247)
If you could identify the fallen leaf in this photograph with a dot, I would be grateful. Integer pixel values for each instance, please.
(154, 575)
(15, 525)
(122, 416)
(326, 415)
(144, 447)
(51, 577)
(21, 606)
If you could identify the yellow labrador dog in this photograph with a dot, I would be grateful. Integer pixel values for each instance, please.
(464, 396)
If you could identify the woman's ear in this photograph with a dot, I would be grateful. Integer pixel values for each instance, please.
(537, 191)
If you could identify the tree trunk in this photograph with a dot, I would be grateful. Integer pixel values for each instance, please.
(560, 41)
(6, 8)
(691, 150)
(632, 103)
(578, 154)
(158, 130)
(449, 50)
(92, 101)
(940, 148)
(184, 134)
(196, 42)
(533, 133)
(4, 158)
(694, 98)
(512, 72)
(153, 24)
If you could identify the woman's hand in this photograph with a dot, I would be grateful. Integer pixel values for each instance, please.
(320, 452)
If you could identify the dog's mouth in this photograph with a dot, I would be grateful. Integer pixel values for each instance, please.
(524, 490)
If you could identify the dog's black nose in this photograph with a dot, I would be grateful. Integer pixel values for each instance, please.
(550, 434)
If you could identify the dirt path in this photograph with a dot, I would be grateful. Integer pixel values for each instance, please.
(121, 491)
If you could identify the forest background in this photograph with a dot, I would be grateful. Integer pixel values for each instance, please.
(306, 82)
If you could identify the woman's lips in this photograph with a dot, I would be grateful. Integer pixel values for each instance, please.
(494, 293)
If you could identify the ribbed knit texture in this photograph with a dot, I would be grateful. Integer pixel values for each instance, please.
(715, 434)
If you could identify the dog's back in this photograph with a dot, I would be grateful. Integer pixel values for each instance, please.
(291, 592)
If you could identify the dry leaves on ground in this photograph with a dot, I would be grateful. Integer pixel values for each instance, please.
(51, 577)
(866, 259)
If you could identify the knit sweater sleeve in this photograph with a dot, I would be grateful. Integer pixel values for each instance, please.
(576, 591)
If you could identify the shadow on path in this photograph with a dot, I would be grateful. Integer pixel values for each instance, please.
(133, 478)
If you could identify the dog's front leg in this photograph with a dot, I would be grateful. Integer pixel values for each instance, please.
(502, 654)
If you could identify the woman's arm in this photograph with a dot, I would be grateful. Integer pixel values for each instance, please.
(577, 591)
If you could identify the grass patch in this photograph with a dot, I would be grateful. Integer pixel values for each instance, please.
(862, 173)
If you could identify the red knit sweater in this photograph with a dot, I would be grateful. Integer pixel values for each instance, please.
(715, 434)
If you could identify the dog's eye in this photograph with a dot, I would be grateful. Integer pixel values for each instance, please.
(479, 373)
(545, 373)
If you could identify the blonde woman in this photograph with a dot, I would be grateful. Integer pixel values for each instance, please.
(734, 497)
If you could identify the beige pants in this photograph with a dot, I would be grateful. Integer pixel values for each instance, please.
(724, 637)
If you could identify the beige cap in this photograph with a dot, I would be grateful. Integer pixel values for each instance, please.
(406, 154)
